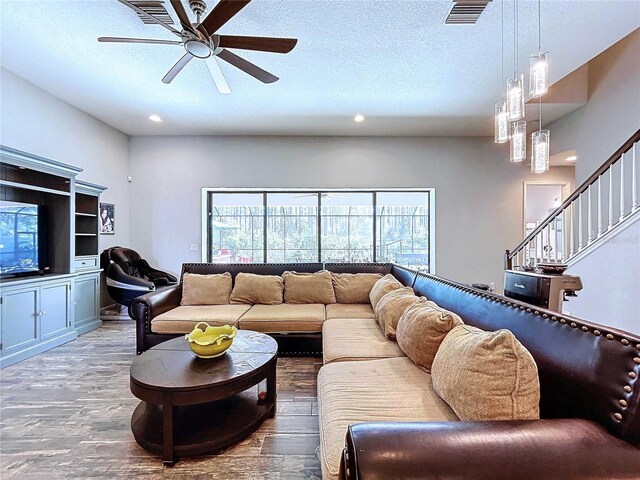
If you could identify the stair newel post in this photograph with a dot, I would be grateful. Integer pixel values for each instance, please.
(622, 187)
(507, 260)
(610, 198)
(599, 205)
(634, 181)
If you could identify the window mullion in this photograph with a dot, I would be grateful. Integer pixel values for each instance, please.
(264, 227)
(319, 226)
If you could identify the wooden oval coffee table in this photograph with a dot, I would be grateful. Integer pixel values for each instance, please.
(192, 406)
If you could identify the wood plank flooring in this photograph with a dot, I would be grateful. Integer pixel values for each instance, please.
(66, 414)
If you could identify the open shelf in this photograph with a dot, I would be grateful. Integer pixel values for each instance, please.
(80, 214)
(22, 177)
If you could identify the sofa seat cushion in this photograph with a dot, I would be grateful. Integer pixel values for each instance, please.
(184, 318)
(350, 310)
(387, 390)
(284, 318)
(348, 339)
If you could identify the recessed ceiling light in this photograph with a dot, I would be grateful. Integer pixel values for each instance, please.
(358, 118)
(571, 158)
(155, 118)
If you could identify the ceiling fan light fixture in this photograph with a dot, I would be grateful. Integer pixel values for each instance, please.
(155, 118)
(358, 118)
(198, 49)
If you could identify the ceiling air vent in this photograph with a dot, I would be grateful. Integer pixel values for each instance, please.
(466, 12)
(155, 8)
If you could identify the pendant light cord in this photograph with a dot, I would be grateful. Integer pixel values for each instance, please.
(539, 52)
(502, 45)
(515, 38)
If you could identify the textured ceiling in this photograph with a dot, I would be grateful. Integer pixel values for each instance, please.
(394, 61)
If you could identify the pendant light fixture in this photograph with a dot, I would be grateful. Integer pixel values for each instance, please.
(515, 84)
(501, 112)
(540, 138)
(540, 151)
(538, 69)
(518, 146)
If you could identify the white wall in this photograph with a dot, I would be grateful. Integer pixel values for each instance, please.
(35, 121)
(479, 196)
(611, 282)
(612, 112)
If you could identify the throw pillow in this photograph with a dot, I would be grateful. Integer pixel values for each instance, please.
(383, 286)
(391, 307)
(206, 289)
(261, 289)
(308, 287)
(354, 287)
(486, 375)
(422, 328)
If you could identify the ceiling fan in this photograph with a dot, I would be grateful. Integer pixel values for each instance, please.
(200, 40)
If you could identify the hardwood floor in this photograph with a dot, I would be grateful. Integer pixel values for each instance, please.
(66, 414)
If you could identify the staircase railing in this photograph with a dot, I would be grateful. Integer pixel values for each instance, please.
(594, 210)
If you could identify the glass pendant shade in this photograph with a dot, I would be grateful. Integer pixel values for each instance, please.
(518, 146)
(538, 75)
(540, 151)
(515, 97)
(502, 122)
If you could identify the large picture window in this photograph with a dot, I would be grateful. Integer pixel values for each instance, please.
(249, 226)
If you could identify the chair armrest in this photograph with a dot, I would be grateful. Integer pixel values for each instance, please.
(501, 450)
(146, 307)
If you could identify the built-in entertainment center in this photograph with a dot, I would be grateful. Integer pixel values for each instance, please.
(49, 271)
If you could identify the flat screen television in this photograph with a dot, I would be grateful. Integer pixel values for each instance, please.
(23, 242)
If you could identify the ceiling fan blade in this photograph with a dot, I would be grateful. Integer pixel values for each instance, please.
(221, 14)
(247, 67)
(137, 40)
(217, 75)
(182, 15)
(150, 17)
(175, 70)
(263, 44)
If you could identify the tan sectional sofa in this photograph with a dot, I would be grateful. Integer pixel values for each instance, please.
(382, 416)
(296, 326)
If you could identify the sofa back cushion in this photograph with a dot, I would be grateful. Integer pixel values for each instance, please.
(383, 286)
(308, 287)
(391, 307)
(260, 289)
(206, 289)
(585, 369)
(422, 328)
(257, 268)
(486, 375)
(354, 287)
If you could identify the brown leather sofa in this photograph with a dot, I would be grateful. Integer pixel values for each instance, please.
(590, 394)
(146, 308)
(590, 406)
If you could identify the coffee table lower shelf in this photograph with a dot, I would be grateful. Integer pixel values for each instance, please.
(202, 428)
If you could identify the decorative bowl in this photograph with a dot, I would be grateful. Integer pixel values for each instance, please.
(211, 342)
(557, 268)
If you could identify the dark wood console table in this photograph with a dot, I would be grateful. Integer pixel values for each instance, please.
(192, 406)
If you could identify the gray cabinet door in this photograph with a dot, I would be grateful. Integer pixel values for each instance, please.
(54, 309)
(86, 299)
(19, 319)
